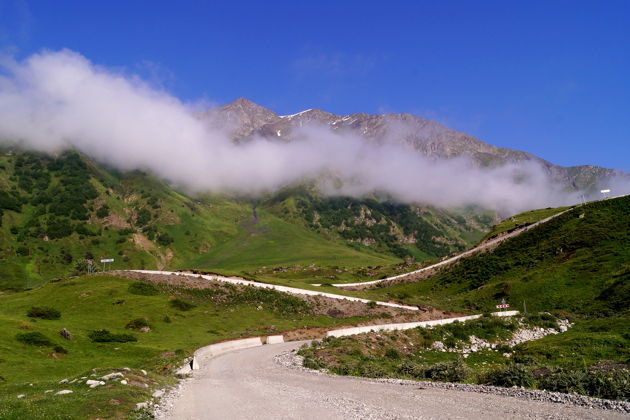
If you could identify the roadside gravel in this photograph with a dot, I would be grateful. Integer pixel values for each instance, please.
(255, 384)
(292, 360)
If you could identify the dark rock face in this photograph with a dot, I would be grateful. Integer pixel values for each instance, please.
(245, 120)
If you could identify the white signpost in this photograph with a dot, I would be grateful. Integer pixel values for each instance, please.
(104, 261)
(605, 192)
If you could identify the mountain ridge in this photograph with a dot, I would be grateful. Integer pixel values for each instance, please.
(245, 120)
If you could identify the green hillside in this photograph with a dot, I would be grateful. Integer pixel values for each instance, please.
(578, 262)
(58, 212)
(163, 323)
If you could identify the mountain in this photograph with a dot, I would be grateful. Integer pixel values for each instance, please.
(58, 211)
(244, 119)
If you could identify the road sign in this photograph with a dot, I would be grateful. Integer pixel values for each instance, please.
(504, 305)
(106, 260)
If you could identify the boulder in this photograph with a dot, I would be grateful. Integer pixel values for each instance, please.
(65, 334)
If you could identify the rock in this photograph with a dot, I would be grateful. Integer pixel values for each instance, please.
(94, 384)
(65, 334)
(142, 405)
(63, 381)
(158, 393)
(144, 372)
(124, 382)
(21, 396)
(64, 392)
(112, 375)
(145, 329)
(48, 391)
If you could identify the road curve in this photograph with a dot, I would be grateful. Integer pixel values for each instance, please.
(248, 384)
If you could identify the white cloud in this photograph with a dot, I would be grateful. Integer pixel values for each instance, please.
(56, 100)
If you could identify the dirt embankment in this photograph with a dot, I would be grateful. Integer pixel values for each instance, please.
(321, 305)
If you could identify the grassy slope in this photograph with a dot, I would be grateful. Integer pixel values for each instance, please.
(579, 262)
(213, 232)
(521, 220)
(95, 302)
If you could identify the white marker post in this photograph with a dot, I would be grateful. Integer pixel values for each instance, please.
(104, 261)
(605, 192)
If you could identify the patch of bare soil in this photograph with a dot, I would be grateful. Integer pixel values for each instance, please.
(143, 242)
(114, 220)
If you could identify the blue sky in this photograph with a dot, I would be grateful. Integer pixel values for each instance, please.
(551, 77)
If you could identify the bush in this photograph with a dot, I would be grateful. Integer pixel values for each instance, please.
(372, 370)
(137, 324)
(43, 313)
(563, 381)
(512, 375)
(104, 336)
(392, 353)
(102, 212)
(143, 288)
(412, 369)
(60, 350)
(455, 371)
(164, 239)
(614, 385)
(311, 363)
(181, 304)
(34, 339)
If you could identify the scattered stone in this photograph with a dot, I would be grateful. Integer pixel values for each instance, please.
(65, 334)
(142, 405)
(158, 393)
(145, 329)
(64, 392)
(94, 384)
(112, 375)
(144, 372)
(48, 391)
(124, 382)
(63, 381)
(21, 396)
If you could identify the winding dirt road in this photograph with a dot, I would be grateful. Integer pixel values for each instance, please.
(248, 384)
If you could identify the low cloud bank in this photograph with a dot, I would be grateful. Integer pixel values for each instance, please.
(56, 100)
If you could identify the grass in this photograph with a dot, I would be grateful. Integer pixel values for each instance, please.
(578, 262)
(96, 303)
(522, 220)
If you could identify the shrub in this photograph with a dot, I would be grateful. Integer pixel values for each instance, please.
(102, 212)
(455, 371)
(563, 381)
(34, 339)
(392, 353)
(43, 312)
(372, 370)
(412, 369)
(143, 288)
(60, 350)
(371, 304)
(104, 336)
(181, 304)
(164, 239)
(137, 324)
(311, 363)
(512, 375)
(22, 251)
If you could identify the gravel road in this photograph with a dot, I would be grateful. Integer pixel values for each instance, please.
(249, 384)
